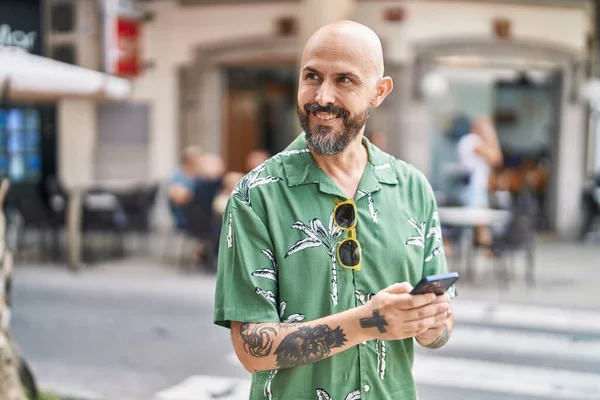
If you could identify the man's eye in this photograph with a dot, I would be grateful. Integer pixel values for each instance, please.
(311, 76)
(344, 79)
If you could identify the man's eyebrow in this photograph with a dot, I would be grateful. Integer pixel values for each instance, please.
(349, 74)
(310, 69)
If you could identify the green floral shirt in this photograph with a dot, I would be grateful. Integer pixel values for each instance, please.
(277, 263)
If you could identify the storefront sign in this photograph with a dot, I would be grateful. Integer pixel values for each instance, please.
(122, 37)
(20, 25)
(10, 38)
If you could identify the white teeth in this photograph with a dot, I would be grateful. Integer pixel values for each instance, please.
(325, 116)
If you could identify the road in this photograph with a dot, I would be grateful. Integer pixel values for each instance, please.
(132, 332)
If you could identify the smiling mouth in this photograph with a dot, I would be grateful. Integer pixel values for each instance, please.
(325, 117)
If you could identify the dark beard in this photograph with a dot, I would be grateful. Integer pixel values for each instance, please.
(321, 142)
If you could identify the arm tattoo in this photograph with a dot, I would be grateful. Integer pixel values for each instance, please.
(258, 339)
(376, 321)
(440, 341)
(308, 344)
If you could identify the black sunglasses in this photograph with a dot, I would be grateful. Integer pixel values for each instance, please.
(349, 252)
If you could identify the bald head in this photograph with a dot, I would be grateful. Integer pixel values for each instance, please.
(340, 81)
(355, 40)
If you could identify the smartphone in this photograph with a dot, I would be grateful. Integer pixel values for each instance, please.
(437, 284)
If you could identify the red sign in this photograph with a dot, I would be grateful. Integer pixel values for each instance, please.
(127, 62)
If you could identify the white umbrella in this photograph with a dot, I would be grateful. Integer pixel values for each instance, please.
(25, 76)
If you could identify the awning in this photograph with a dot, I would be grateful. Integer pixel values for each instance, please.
(27, 77)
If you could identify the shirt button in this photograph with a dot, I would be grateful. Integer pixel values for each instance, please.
(366, 388)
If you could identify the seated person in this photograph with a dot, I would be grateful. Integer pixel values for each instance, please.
(182, 185)
(210, 179)
(255, 158)
(220, 203)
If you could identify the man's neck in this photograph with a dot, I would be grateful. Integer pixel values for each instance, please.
(346, 168)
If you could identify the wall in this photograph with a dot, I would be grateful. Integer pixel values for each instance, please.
(570, 172)
(169, 41)
(428, 20)
(76, 141)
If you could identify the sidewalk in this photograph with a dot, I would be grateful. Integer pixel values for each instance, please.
(565, 275)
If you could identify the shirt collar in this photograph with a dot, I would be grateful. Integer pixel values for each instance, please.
(301, 169)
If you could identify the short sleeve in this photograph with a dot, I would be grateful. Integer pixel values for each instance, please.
(246, 289)
(180, 179)
(434, 261)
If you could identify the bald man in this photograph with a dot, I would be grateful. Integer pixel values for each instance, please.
(322, 244)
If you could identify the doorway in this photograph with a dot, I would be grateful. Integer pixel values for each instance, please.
(259, 111)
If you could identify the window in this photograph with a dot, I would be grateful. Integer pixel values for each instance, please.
(62, 18)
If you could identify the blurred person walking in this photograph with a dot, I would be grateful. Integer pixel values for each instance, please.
(311, 314)
(478, 152)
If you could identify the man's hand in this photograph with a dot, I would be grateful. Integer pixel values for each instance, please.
(394, 314)
(439, 333)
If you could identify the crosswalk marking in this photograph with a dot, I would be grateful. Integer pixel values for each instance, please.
(508, 378)
(490, 340)
(521, 315)
(204, 387)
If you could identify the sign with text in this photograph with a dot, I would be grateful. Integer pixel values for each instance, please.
(122, 37)
(21, 25)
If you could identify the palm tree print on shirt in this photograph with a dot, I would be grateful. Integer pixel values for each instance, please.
(379, 344)
(267, 294)
(268, 273)
(419, 238)
(323, 395)
(435, 233)
(382, 166)
(250, 181)
(319, 236)
(253, 179)
(230, 232)
(291, 319)
(371, 205)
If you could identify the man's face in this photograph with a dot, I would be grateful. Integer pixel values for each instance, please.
(334, 94)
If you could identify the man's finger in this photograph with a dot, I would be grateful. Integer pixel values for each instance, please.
(442, 320)
(444, 298)
(427, 311)
(416, 301)
(399, 288)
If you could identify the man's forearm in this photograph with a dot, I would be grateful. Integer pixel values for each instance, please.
(269, 346)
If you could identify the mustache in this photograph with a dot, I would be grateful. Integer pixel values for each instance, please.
(329, 108)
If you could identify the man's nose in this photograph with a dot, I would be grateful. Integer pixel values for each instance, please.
(325, 94)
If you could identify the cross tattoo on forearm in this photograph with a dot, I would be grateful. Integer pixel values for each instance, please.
(376, 321)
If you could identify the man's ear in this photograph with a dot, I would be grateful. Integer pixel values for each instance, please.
(384, 87)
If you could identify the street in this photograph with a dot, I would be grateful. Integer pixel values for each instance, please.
(131, 330)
